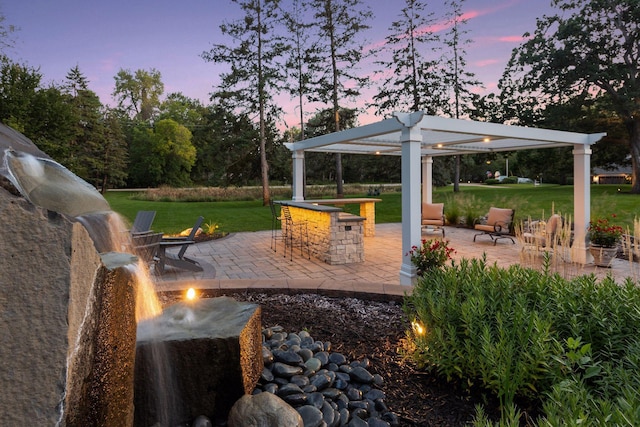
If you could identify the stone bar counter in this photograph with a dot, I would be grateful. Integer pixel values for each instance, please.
(335, 237)
(367, 210)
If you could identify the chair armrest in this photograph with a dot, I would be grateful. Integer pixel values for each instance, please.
(141, 233)
(174, 239)
(499, 226)
(168, 244)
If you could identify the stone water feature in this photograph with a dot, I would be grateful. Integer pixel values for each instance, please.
(68, 316)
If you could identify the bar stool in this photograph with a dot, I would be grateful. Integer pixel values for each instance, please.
(276, 227)
(295, 232)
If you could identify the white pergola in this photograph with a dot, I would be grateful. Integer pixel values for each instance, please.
(418, 138)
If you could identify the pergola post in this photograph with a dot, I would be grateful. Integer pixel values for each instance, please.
(411, 140)
(298, 175)
(581, 202)
(427, 179)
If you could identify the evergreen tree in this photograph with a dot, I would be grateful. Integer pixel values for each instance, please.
(302, 55)
(255, 72)
(83, 155)
(411, 80)
(456, 77)
(339, 22)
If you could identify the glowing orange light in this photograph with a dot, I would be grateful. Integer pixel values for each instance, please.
(439, 145)
(191, 294)
(418, 328)
(486, 140)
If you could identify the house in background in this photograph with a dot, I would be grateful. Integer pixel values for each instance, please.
(617, 175)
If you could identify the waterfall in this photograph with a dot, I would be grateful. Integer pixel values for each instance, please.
(49, 185)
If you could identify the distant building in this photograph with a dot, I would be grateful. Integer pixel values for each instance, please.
(618, 175)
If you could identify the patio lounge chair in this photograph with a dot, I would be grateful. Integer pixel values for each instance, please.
(179, 260)
(433, 217)
(145, 246)
(498, 225)
(142, 222)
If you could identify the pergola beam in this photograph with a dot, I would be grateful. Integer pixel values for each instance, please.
(415, 136)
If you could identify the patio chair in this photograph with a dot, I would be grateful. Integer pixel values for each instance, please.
(145, 246)
(498, 225)
(179, 260)
(542, 235)
(142, 222)
(295, 233)
(433, 217)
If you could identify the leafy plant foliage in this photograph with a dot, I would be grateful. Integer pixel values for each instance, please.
(569, 346)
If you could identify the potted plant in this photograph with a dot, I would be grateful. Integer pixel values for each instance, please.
(605, 238)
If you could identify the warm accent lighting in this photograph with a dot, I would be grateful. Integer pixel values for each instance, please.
(439, 145)
(418, 328)
(377, 152)
(191, 294)
(486, 140)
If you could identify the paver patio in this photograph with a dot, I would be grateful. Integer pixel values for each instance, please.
(246, 260)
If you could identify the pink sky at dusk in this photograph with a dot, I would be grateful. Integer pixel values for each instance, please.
(104, 37)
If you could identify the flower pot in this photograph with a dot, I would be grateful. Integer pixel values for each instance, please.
(602, 255)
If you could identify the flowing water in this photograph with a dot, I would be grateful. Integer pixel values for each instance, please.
(48, 184)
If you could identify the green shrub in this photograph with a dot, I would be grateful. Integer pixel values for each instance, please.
(452, 211)
(521, 333)
(491, 181)
(471, 210)
(510, 180)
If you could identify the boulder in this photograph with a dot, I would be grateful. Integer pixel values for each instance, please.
(263, 410)
(67, 322)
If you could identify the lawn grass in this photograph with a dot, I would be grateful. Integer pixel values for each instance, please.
(528, 201)
(172, 217)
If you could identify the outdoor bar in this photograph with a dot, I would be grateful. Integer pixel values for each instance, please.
(367, 210)
(335, 236)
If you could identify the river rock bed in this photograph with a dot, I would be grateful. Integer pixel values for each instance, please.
(373, 329)
(323, 386)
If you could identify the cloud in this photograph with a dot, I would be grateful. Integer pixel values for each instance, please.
(486, 62)
(512, 39)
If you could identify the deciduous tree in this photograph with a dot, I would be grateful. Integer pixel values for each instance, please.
(162, 154)
(138, 94)
(589, 48)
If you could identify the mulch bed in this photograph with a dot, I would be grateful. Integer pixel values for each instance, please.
(374, 330)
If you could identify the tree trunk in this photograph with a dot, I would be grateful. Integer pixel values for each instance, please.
(634, 145)
(104, 184)
(264, 166)
(340, 190)
(456, 175)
